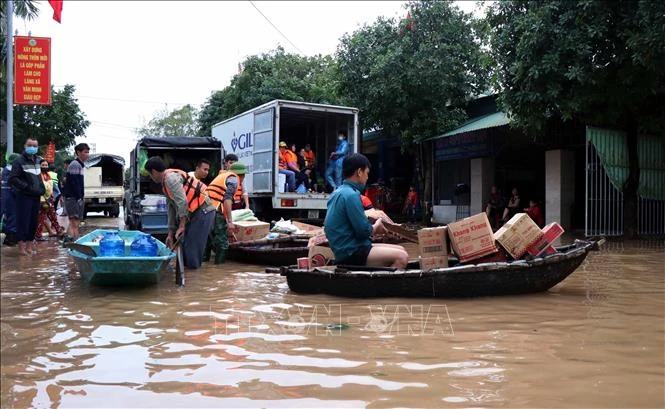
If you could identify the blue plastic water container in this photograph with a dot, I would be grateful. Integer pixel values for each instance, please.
(144, 246)
(112, 245)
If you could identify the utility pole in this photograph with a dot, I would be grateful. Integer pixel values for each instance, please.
(10, 77)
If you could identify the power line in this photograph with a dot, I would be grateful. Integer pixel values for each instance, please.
(275, 27)
(112, 124)
(140, 101)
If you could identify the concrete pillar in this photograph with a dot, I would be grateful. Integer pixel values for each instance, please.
(482, 179)
(559, 187)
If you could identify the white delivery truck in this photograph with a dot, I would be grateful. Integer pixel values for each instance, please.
(103, 183)
(254, 136)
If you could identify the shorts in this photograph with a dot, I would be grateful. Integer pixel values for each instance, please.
(75, 208)
(358, 258)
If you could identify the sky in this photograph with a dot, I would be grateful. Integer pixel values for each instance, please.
(129, 60)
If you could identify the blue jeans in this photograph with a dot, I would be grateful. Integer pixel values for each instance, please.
(290, 179)
(8, 211)
(334, 174)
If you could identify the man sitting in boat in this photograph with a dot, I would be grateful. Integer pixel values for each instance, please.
(190, 213)
(225, 191)
(347, 228)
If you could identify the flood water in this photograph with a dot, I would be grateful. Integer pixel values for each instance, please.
(235, 337)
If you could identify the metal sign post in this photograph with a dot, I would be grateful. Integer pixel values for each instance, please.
(10, 77)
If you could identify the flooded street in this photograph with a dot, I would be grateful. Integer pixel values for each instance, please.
(235, 337)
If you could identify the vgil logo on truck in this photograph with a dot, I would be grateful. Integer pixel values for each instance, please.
(241, 142)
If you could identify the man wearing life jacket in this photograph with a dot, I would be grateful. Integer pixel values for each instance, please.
(202, 169)
(224, 191)
(190, 213)
(229, 160)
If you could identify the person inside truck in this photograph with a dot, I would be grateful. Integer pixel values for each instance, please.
(224, 192)
(334, 170)
(284, 167)
(202, 169)
(347, 228)
(190, 213)
(229, 160)
(73, 191)
(310, 164)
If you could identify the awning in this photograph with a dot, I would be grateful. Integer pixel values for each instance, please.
(94, 159)
(611, 148)
(481, 122)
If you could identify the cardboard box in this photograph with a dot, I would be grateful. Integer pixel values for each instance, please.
(518, 234)
(471, 238)
(429, 263)
(251, 230)
(375, 214)
(308, 228)
(543, 246)
(317, 239)
(433, 242)
(304, 263)
(320, 256)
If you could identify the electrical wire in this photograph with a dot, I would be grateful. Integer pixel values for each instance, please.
(275, 27)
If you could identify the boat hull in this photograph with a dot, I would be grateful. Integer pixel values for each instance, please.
(121, 271)
(490, 279)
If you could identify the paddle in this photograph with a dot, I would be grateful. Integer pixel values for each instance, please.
(179, 264)
(87, 250)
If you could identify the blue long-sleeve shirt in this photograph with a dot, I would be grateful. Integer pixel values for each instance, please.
(341, 151)
(346, 225)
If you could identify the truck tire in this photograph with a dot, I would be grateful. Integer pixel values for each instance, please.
(115, 212)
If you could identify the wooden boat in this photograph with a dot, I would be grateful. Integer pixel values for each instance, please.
(120, 271)
(488, 279)
(280, 251)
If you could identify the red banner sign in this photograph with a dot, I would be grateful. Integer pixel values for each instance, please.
(50, 152)
(32, 70)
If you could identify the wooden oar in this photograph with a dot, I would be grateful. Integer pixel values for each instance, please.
(87, 250)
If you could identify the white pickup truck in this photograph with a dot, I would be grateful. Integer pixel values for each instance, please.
(103, 184)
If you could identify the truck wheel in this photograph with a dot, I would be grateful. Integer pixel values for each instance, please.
(115, 212)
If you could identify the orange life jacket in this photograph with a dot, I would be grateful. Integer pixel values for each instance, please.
(194, 189)
(309, 158)
(217, 189)
(282, 159)
(367, 204)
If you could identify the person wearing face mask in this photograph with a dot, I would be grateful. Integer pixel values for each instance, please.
(347, 228)
(47, 208)
(27, 183)
(334, 170)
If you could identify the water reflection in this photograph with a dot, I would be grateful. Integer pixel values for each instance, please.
(237, 338)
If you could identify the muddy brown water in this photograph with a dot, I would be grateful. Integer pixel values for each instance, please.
(235, 337)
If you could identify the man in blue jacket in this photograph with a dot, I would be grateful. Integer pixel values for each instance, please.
(334, 170)
(347, 229)
(26, 181)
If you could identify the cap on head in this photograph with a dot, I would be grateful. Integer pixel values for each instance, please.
(238, 168)
(282, 144)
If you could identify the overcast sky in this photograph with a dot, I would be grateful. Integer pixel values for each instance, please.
(129, 60)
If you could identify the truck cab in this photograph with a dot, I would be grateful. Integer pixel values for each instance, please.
(143, 197)
(254, 136)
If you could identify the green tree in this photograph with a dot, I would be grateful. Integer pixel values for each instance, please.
(62, 121)
(269, 76)
(178, 122)
(412, 77)
(597, 61)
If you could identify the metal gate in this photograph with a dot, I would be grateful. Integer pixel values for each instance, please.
(604, 204)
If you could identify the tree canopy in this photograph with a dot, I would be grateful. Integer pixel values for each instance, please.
(178, 122)
(599, 61)
(269, 76)
(412, 77)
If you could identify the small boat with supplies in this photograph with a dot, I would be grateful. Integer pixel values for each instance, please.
(119, 270)
(479, 280)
